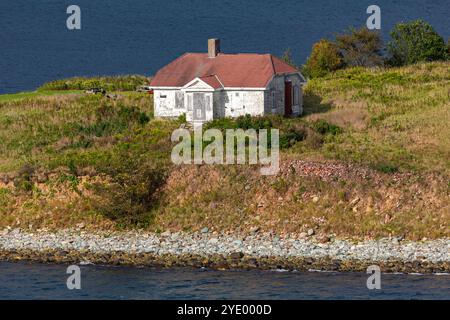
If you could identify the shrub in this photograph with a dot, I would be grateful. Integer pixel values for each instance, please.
(113, 83)
(248, 122)
(109, 119)
(385, 168)
(182, 118)
(132, 195)
(243, 122)
(448, 49)
(5, 198)
(323, 127)
(23, 181)
(413, 42)
(287, 57)
(324, 58)
(360, 47)
(291, 135)
(313, 139)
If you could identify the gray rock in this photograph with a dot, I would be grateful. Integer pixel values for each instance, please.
(255, 229)
(238, 242)
(232, 246)
(236, 255)
(166, 234)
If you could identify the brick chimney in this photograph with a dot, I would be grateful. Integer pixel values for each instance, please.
(213, 47)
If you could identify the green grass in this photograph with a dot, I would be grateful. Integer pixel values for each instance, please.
(67, 157)
(396, 117)
(109, 83)
(33, 94)
(64, 137)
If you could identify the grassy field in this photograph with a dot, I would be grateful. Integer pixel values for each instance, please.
(34, 94)
(396, 118)
(68, 159)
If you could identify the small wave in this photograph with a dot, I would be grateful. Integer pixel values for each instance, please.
(280, 270)
(394, 273)
(322, 271)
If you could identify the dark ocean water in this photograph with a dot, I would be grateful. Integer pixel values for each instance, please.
(140, 36)
(41, 281)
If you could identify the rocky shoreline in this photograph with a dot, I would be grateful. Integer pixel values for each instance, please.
(218, 251)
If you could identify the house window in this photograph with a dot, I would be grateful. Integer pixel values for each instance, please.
(179, 100)
(189, 101)
(273, 99)
(199, 113)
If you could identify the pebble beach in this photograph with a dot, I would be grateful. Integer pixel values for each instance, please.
(220, 251)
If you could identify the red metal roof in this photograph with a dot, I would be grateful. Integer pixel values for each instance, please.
(212, 81)
(244, 70)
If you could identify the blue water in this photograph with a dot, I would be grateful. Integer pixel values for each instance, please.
(43, 281)
(140, 36)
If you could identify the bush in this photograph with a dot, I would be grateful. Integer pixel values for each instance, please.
(23, 181)
(360, 48)
(448, 49)
(322, 127)
(248, 122)
(113, 83)
(385, 168)
(415, 41)
(314, 140)
(291, 135)
(109, 120)
(182, 118)
(324, 58)
(287, 57)
(243, 122)
(130, 198)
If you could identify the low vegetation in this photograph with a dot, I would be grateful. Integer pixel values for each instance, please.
(370, 158)
(411, 42)
(113, 83)
(415, 42)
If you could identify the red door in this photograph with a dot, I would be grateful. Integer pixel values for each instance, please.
(288, 98)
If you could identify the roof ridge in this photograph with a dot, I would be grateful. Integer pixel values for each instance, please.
(230, 54)
(271, 63)
(217, 77)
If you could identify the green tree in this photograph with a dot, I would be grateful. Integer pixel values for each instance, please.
(414, 42)
(324, 58)
(287, 57)
(448, 49)
(360, 47)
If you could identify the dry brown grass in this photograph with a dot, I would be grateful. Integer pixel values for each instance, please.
(237, 199)
(394, 120)
(346, 114)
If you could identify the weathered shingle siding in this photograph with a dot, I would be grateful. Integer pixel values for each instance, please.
(230, 103)
(169, 103)
(275, 94)
(242, 102)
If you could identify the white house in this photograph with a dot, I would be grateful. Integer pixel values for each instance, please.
(206, 86)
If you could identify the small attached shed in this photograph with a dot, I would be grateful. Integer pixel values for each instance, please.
(206, 86)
